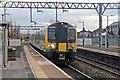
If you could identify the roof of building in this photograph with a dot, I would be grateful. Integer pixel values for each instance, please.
(97, 30)
(86, 31)
(115, 24)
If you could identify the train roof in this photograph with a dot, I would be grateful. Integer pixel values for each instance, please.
(60, 23)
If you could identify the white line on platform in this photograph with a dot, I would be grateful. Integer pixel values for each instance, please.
(52, 63)
(31, 66)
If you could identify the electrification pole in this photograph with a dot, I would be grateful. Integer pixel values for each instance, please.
(83, 34)
(107, 30)
(56, 11)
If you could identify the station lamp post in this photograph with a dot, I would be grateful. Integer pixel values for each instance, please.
(34, 32)
(40, 11)
(5, 27)
(3, 16)
(107, 30)
(4, 19)
(83, 32)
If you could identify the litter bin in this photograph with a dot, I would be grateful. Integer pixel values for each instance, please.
(11, 54)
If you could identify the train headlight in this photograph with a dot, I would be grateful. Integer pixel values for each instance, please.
(73, 46)
(48, 45)
(52, 45)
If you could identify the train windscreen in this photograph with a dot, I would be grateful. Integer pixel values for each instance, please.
(72, 35)
(61, 34)
(51, 34)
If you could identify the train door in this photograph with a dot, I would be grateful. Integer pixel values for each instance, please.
(61, 38)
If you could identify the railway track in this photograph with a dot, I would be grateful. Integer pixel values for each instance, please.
(108, 59)
(103, 66)
(75, 73)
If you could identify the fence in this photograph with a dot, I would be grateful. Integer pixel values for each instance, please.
(112, 40)
(87, 41)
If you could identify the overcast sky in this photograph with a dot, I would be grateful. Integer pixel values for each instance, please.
(90, 17)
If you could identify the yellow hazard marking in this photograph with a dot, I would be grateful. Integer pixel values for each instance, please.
(35, 66)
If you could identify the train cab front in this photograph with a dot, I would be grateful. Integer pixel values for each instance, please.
(63, 42)
(64, 53)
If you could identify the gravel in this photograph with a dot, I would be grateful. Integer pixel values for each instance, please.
(91, 71)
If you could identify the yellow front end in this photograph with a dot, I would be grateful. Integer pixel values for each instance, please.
(62, 47)
(47, 44)
(60, 51)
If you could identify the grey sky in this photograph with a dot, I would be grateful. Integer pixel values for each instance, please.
(90, 17)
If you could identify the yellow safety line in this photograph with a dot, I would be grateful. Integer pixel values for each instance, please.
(35, 66)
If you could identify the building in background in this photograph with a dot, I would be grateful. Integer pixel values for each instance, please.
(113, 34)
(85, 34)
(114, 28)
(95, 33)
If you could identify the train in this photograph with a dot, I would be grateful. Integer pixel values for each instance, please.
(58, 41)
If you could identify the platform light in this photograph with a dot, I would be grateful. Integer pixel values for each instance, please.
(39, 11)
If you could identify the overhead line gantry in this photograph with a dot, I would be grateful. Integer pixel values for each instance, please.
(99, 7)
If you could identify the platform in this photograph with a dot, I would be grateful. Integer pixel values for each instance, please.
(18, 69)
(14, 69)
(43, 68)
(100, 51)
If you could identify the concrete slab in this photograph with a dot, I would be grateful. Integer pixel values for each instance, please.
(15, 70)
(19, 69)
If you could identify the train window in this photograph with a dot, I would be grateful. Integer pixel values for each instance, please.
(71, 35)
(51, 34)
(61, 34)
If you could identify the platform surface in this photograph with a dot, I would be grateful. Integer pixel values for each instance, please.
(19, 68)
(14, 69)
(100, 51)
(46, 69)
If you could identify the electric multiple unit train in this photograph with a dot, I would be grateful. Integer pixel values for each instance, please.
(59, 42)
